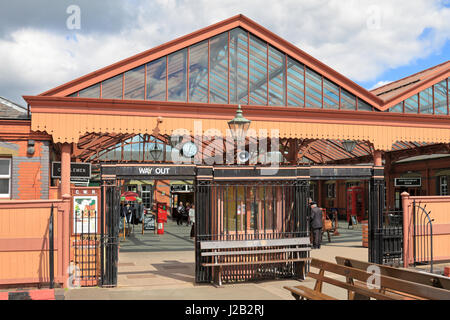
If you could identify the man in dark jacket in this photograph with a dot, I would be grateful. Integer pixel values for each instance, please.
(316, 225)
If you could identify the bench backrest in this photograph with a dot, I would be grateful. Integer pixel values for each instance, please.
(408, 275)
(416, 289)
(235, 244)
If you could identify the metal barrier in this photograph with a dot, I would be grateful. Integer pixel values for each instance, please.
(51, 250)
(422, 235)
(393, 238)
(250, 211)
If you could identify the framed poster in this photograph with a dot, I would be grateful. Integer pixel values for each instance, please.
(85, 214)
(149, 222)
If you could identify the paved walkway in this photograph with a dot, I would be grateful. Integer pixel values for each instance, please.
(161, 267)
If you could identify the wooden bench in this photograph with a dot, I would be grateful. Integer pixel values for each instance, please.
(357, 288)
(427, 279)
(254, 252)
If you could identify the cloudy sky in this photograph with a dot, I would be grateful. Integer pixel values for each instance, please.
(371, 42)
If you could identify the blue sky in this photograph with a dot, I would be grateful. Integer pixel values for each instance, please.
(371, 42)
(436, 57)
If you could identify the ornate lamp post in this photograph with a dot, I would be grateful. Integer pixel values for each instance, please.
(349, 145)
(239, 125)
(155, 152)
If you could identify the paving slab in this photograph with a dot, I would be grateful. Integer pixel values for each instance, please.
(162, 267)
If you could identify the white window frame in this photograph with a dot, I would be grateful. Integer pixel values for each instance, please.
(6, 176)
(442, 185)
(331, 190)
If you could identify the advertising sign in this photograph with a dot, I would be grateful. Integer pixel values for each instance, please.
(85, 214)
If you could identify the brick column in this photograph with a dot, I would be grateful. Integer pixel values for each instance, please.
(66, 149)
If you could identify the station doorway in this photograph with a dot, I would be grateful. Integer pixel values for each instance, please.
(148, 255)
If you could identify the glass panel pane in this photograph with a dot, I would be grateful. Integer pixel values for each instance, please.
(348, 100)
(4, 166)
(156, 80)
(440, 97)
(238, 66)
(218, 77)
(134, 83)
(426, 101)
(412, 104)
(91, 92)
(364, 106)
(330, 95)
(295, 81)
(313, 89)
(75, 94)
(258, 72)
(276, 77)
(4, 186)
(198, 72)
(112, 88)
(177, 75)
(397, 108)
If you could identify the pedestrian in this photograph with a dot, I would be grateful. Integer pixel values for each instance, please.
(316, 225)
(180, 210)
(186, 213)
(192, 220)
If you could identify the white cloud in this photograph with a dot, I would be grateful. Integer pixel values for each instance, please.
(360, 39)
(379, 84)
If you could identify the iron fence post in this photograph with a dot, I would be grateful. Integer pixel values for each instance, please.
(51, 250)
(376, 204)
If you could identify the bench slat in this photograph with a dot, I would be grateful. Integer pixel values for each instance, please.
(408, 275)
(239, 263)
(308, 293)
(230, 253)
(356, 288)
(253, 243)
(412, 288)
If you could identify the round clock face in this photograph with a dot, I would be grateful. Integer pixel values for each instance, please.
(189, 149)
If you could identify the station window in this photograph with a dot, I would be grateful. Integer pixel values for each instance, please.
(331, 190)
(132, 187)
(5, 177)
(443, 185)
(146, 195)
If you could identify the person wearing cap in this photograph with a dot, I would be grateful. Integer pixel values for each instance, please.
(316, 225)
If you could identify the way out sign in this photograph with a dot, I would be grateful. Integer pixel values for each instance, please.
(77, 170)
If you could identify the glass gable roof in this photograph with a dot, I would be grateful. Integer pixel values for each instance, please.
(432, 100)
(236, 67)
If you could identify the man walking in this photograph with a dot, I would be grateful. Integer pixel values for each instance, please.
(316, 225)
(180, 212)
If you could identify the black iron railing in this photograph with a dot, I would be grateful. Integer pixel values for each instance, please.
(392, 237)
(422, 236)
(51, 244)
(250, 211)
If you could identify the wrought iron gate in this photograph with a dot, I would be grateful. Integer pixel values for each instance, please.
(110, 235)
(393, 238)
(422, 235)
(250, 211)
(385, 228)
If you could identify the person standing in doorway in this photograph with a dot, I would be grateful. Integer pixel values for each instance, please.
(316, 225)
(180, 211)
(192, 220)
(186, 213)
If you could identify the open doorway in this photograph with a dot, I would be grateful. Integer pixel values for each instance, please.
(151, 252)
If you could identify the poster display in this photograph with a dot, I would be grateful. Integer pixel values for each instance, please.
(149, 222)
(85, 214)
